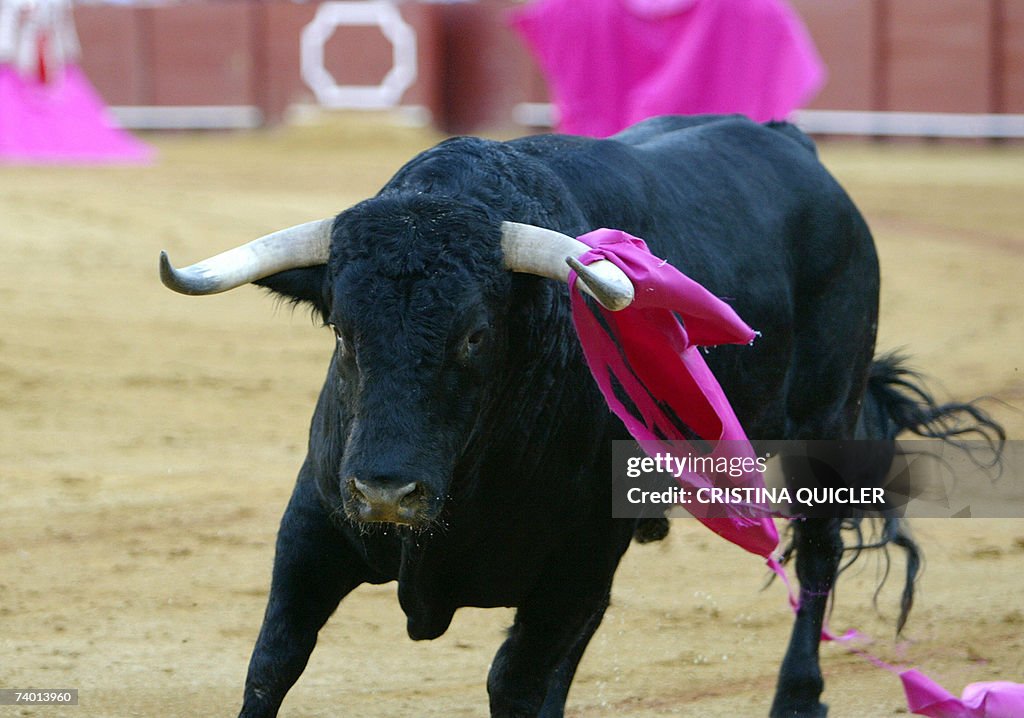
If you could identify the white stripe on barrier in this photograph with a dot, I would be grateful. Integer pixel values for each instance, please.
(843, 122)
(199, 117)
(910, 124)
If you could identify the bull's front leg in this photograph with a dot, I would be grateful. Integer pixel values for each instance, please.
(533, 670)
(531, 673)
(313, 570)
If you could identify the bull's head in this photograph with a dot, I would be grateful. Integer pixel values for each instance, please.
(420, 309)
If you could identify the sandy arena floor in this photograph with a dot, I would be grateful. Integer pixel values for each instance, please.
(148, 443)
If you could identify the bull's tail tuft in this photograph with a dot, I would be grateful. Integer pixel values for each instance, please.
(887, 531)
(897, 401)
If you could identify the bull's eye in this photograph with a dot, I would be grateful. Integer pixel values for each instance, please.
(344, 350)
(473, 341)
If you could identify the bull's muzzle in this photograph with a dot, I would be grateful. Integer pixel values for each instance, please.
(387, 502)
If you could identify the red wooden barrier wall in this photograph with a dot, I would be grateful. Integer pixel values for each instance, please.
(963, 56)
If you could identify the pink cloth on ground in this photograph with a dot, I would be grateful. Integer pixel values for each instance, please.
(60, 121)
(611, 63)
(996, 699)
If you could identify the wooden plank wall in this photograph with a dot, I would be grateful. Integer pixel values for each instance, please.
(962, 56)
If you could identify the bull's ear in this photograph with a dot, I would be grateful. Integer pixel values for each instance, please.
(307, 285)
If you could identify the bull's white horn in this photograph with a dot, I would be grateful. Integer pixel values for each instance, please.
(547, 253)
(304, 245)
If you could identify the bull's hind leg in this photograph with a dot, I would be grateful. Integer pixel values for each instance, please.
(835, 315)
(313, 571)
(819, 547)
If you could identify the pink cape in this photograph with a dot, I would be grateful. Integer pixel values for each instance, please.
(62, 121)
(654, 358)
(611, 63)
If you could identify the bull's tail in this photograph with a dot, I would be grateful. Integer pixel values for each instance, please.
(898, 401)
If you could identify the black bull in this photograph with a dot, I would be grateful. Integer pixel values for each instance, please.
(458, 408)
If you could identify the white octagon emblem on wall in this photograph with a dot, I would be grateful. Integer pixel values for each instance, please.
(331, 15)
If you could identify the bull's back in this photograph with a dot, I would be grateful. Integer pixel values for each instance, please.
(688, 185)
(726, 200)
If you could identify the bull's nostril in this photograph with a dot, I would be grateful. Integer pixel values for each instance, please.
(403, 492)
(357, 488)
(353, 489)
(418, 494)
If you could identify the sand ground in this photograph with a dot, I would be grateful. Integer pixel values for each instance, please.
(149, 441)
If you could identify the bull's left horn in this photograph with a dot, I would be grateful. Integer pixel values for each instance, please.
(547, 253)
(304, 245)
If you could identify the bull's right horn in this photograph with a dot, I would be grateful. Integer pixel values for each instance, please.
(304, 245)
(547, 253)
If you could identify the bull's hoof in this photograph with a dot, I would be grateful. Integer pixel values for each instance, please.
(798, 693)
(648, 530)
(819, 710)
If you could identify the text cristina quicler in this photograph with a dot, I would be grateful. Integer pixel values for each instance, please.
(750, 495)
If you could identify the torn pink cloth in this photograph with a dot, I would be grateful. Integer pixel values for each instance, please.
(996, 699)
(655, 359)
(60, 121)
(611, 63)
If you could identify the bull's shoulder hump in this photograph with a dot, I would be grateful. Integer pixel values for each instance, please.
(658, 143)
(550, 148)
(462, 148)
(459, 163)
(701, 131)
(656, 128)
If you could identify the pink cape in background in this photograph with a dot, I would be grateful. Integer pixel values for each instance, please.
(60, 121)
(655, 360)
(610, 63)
